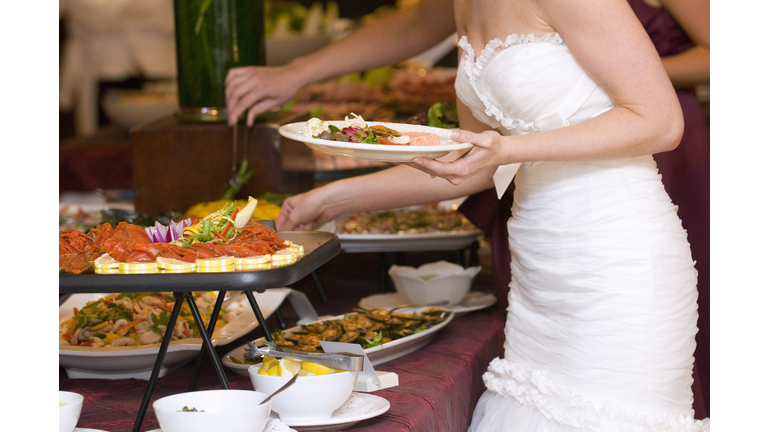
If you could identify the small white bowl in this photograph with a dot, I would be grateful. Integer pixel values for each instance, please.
(69, 414)
(229, 410)
(434, 282)
(310, 398)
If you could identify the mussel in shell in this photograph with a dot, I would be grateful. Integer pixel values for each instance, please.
(367, 328)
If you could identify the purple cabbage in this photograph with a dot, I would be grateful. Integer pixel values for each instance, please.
(166, 234)
(353, 133)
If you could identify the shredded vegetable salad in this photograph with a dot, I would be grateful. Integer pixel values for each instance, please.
(356, 130)
(133, 319)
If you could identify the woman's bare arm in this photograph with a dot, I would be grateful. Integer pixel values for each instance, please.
(606, 38)
(394, 38)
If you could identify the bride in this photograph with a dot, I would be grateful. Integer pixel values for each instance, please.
(569, 100)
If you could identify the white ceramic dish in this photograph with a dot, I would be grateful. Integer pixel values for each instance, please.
(379, 406)
(137, 361)
(377, 355)
(310, 398)
(475, 300)
(69, 414)
(223, 410)
(355, 243)
(377, 152)
(435, 282)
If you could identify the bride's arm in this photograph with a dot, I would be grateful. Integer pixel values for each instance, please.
(395, 187)
(606, 38)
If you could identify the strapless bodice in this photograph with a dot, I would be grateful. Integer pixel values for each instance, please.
(514, 82)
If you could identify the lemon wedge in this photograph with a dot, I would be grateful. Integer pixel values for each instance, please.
(261, 371)
(288, 367)
(215, 262)
(285, 255)
(267, 362)
(171, 264)
(216, 269)
(138, 267)
(315, 368)
(274, 370)
(105, 262)
(254, 260)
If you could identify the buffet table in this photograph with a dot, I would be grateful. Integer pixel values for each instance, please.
(439, 384)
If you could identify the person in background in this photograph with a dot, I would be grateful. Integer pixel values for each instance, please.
(679, 29)
(570, 99)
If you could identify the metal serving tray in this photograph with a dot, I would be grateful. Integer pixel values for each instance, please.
(319, 248)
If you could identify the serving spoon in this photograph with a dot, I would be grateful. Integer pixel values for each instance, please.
(285, 386)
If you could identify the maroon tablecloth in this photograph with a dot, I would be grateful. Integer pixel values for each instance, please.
(439, 384)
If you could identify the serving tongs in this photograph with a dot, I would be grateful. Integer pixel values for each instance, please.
(341, 360)
(240, 174)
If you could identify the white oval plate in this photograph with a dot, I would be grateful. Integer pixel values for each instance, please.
(377, 152)
(377, 355)
(137, 361)
(475, 300)
(343, 421)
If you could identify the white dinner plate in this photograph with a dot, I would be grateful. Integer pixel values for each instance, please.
(354, 243)
(343, 421)
(377, 152)
(138, 361)
(475, 300)
(377, 355)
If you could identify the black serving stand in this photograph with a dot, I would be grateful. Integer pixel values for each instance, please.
(319, 248)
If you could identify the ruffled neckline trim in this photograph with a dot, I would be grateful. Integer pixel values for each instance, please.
(473, 68)
(560, 404)
(497, 45)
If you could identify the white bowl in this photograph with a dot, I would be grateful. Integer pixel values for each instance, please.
(69, 414)
(227, 410)
(310, 398)
(434, 282)
(131, 108)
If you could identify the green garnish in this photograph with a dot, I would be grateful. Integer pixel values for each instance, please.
(434, 116)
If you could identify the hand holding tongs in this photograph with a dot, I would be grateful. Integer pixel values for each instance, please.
(342, 360)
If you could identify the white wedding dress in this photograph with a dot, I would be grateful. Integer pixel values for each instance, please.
(602, 304)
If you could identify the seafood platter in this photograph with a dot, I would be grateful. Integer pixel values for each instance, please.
(374, 141)
(118, 335)
(416, 228)
(384, 334)
(225, 250)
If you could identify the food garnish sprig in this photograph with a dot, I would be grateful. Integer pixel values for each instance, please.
(354, 130)
(220, 226)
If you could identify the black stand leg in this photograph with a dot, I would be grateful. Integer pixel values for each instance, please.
(159, 361)
(319, 287)
(280, 319)
(211, 326)
(383, 271)
(207, 341)
(259, 317)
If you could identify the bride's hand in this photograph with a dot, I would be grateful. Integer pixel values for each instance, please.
(484, 154)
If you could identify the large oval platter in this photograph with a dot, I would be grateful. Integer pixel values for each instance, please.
(235, 359)
(137, 361)
(377, 152)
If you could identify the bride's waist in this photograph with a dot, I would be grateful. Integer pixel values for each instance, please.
(558, 174)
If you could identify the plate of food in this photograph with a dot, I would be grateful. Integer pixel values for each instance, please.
(418, 228)
(474, 300)
(384, 335)
(375, 141)
(100, 337)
